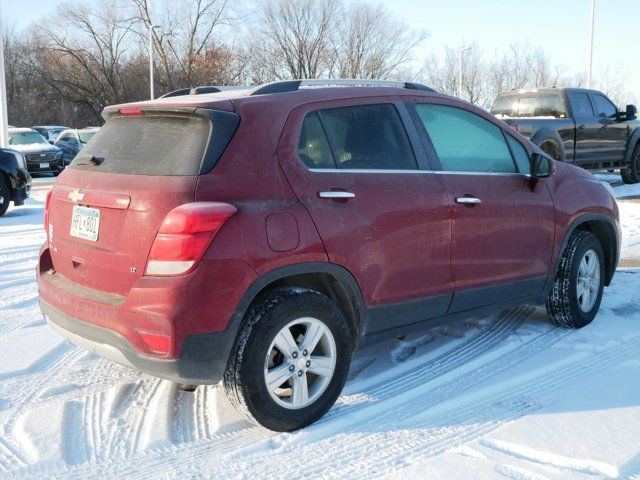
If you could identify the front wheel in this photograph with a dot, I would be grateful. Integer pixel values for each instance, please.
(290, 361)
(575, 297)
(5, 196)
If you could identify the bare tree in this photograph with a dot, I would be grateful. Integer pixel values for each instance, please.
(371, 43)
(293, 38)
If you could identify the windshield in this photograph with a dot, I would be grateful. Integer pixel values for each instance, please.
(86, 136)
(529, 105)
(26, 138)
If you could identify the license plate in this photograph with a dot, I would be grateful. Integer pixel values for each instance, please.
(44, 165)
(85, 223)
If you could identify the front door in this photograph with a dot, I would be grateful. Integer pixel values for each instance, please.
(502, 222)
(356, 169)
(612, 133)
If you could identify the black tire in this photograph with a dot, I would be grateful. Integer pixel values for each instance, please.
(631, 173)
(5, 196)
(244, 378)
(563, 302)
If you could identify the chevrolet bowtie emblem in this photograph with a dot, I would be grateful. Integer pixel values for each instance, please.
(75, 196)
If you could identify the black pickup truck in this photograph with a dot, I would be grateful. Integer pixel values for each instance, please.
(576, 125)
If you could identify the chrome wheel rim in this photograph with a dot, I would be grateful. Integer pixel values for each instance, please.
(588, 285)
(300, 363)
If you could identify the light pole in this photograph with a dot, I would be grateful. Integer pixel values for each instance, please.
(462, 50)
(593, 17)
(4, 129)
(151, 88)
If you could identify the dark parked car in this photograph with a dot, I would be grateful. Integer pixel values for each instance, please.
(72, 141)
(15, 181)
(50, 132)
(259, 236)
(41, 156)
(576, 125)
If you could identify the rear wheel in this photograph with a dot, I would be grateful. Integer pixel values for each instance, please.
(575, 297)
(290, 361)
(5, 196)
(550, 148)
(631, 174)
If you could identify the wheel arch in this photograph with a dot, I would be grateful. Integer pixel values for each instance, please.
(546, 134)
(634, 140)
(604, 228)
(332, 280)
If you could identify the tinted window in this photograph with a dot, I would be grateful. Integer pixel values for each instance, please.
(313, 148)
(520, 154)
(581, 105)
(148, 145)
(368, 137)
(465, 141)
(604, 106)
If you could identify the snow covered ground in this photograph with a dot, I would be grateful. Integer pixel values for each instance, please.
(506, 396)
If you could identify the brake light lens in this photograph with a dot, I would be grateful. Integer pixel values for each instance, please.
(47, 227)
(130, 111)
(184, 236)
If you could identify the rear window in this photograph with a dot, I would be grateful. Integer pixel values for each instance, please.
(147, 145)
(529, 105)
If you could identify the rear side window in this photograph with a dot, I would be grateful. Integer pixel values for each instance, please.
(581, 105)
(147, 145)
(367, 137)
(313, 147)
(464, 141)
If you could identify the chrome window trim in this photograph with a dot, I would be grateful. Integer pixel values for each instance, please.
(437, 172)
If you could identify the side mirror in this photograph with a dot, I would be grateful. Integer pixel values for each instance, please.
(541, 166)
(631, 112)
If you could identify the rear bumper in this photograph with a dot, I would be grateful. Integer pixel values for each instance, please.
(194, 311)
(201, 361)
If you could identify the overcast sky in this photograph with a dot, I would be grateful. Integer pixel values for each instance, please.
(560, 27)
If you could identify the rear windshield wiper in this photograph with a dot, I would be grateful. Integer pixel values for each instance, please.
(95, 161)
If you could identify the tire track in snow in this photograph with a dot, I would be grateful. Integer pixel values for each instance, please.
(412, 438)
(231, 442)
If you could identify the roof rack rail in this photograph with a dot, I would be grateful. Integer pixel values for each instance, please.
(293, 85)
(201, 90)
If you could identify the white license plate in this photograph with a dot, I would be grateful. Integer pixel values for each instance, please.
(44, 165)
(85, 223)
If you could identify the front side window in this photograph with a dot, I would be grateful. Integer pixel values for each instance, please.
(604, 106)
(464, 141)
(362, 137)
(519, 154)
(581, 105)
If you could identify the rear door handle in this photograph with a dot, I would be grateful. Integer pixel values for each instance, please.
(581, 127)
(336, 195)
(468, 200)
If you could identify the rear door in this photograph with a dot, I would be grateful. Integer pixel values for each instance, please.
(588, 147)
(108, 204)
(362, 177)
(503, 223)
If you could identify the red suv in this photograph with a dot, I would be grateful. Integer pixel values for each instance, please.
(256, 237)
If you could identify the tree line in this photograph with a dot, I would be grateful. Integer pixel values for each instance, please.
(68, 67)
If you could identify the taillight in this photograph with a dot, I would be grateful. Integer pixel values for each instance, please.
(47, 227)
(184, 236)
